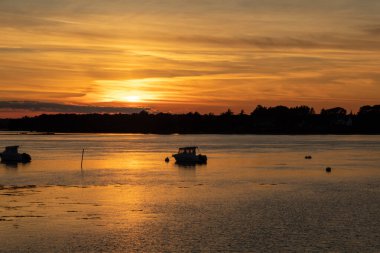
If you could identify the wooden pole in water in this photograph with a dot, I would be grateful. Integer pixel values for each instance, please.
(81, 162)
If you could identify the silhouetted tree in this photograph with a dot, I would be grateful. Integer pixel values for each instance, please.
(337, 111)
(368, 119)
(228, 113)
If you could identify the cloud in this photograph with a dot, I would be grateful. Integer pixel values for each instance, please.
(10, 94)
(35, 106)
(373, 30)
(313, 42)
(74, 50)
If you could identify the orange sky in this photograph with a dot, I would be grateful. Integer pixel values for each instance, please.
(180, 56)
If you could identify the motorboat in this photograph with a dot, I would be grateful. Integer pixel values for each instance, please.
(189, 155)
(11, 155)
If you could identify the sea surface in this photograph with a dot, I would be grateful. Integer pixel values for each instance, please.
(257, 193)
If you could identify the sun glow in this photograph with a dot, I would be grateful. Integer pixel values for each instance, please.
(132, 99)
(130, 91)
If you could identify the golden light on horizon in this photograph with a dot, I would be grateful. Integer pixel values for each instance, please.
(124, 97)
(145, 90)
(132, 99)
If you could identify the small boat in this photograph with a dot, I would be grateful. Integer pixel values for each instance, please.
(189, 155)
(11, 155)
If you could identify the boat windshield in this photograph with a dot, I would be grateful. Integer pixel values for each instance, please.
(11, 149)
(187, 150)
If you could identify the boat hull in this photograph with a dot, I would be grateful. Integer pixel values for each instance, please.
(15, 158)
(189, 158)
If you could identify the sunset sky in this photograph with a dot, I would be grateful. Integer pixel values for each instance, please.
(181, 56)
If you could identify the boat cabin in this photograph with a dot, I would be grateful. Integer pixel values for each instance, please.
(188, 150)
(11, 149)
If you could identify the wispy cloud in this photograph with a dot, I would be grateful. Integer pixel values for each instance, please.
(373, 30)
(35, 106)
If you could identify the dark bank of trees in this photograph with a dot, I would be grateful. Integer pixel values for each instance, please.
(263, 120)
(4, 123)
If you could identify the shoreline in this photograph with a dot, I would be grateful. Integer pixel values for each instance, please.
(16, 132)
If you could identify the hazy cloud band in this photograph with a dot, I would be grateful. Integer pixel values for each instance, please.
(65, 108)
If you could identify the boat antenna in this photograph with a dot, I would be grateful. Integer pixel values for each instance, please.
(81, 162)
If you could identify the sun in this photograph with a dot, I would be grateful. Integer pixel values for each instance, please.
(132, 99)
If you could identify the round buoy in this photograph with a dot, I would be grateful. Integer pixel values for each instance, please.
(328, 169)
(167, 159)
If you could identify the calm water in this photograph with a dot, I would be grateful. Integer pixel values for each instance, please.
(256, 194)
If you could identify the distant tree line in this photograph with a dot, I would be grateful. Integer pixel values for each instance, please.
(263, 120)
